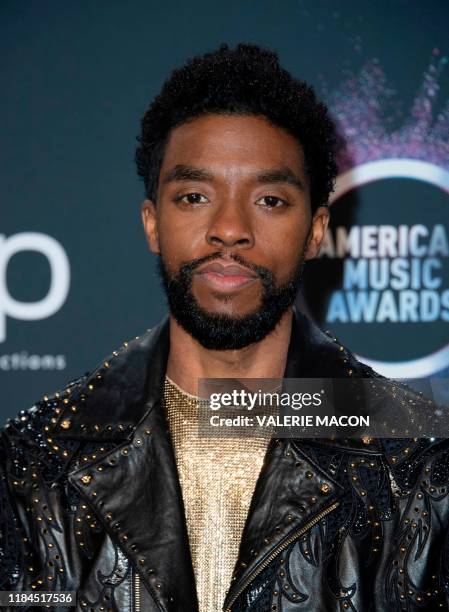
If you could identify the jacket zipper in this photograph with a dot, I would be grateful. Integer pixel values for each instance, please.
(136, 591)
(294, 536)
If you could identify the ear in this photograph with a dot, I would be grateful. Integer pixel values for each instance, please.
(320, 221)
(149, 220)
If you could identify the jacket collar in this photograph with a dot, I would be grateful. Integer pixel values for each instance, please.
(122, 389)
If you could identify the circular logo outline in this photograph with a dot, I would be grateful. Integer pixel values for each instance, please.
(426, 172)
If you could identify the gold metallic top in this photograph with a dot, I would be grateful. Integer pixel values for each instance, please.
(217, 475)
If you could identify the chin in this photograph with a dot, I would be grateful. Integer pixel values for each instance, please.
(236, 303)
(230, 310)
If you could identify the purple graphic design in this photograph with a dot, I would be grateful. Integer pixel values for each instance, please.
(366, 111)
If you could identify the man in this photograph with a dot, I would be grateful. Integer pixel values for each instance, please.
(107, 488)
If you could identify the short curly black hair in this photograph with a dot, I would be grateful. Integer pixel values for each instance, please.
(246, 80)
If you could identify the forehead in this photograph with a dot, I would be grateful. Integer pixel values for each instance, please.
(233, 143)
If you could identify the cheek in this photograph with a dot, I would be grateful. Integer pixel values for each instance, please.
(284, 243)
(180, 240)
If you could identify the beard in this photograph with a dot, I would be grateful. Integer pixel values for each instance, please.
(222, 331)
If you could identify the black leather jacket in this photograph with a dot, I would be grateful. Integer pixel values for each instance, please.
(90, 501)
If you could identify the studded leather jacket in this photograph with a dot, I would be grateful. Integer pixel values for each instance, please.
(90, 501)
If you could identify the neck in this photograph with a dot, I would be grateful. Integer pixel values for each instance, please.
(188, 360)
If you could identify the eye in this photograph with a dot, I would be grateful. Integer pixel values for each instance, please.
(272, 202)
(192, 198)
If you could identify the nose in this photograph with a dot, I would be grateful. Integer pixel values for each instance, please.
(230, 227)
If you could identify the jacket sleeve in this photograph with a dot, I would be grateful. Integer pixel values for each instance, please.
(10, 541)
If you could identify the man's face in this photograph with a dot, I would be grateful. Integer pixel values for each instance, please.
(233, 222)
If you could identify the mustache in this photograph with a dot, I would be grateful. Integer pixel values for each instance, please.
(189, 267)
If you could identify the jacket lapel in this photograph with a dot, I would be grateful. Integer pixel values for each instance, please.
(291, 493)
(134, 489)
(292, 490)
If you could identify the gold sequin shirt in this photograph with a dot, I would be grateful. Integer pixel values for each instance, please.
(217, 477)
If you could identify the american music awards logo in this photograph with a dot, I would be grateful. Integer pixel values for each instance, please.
(387, 252)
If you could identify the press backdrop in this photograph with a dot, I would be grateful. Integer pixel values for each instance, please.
(76, 279)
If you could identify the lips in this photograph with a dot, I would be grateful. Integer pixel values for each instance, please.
(226, 277)
(226, 269)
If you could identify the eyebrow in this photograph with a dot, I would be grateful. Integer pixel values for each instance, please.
(187, 173)
(284, 175)
(182, 172)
